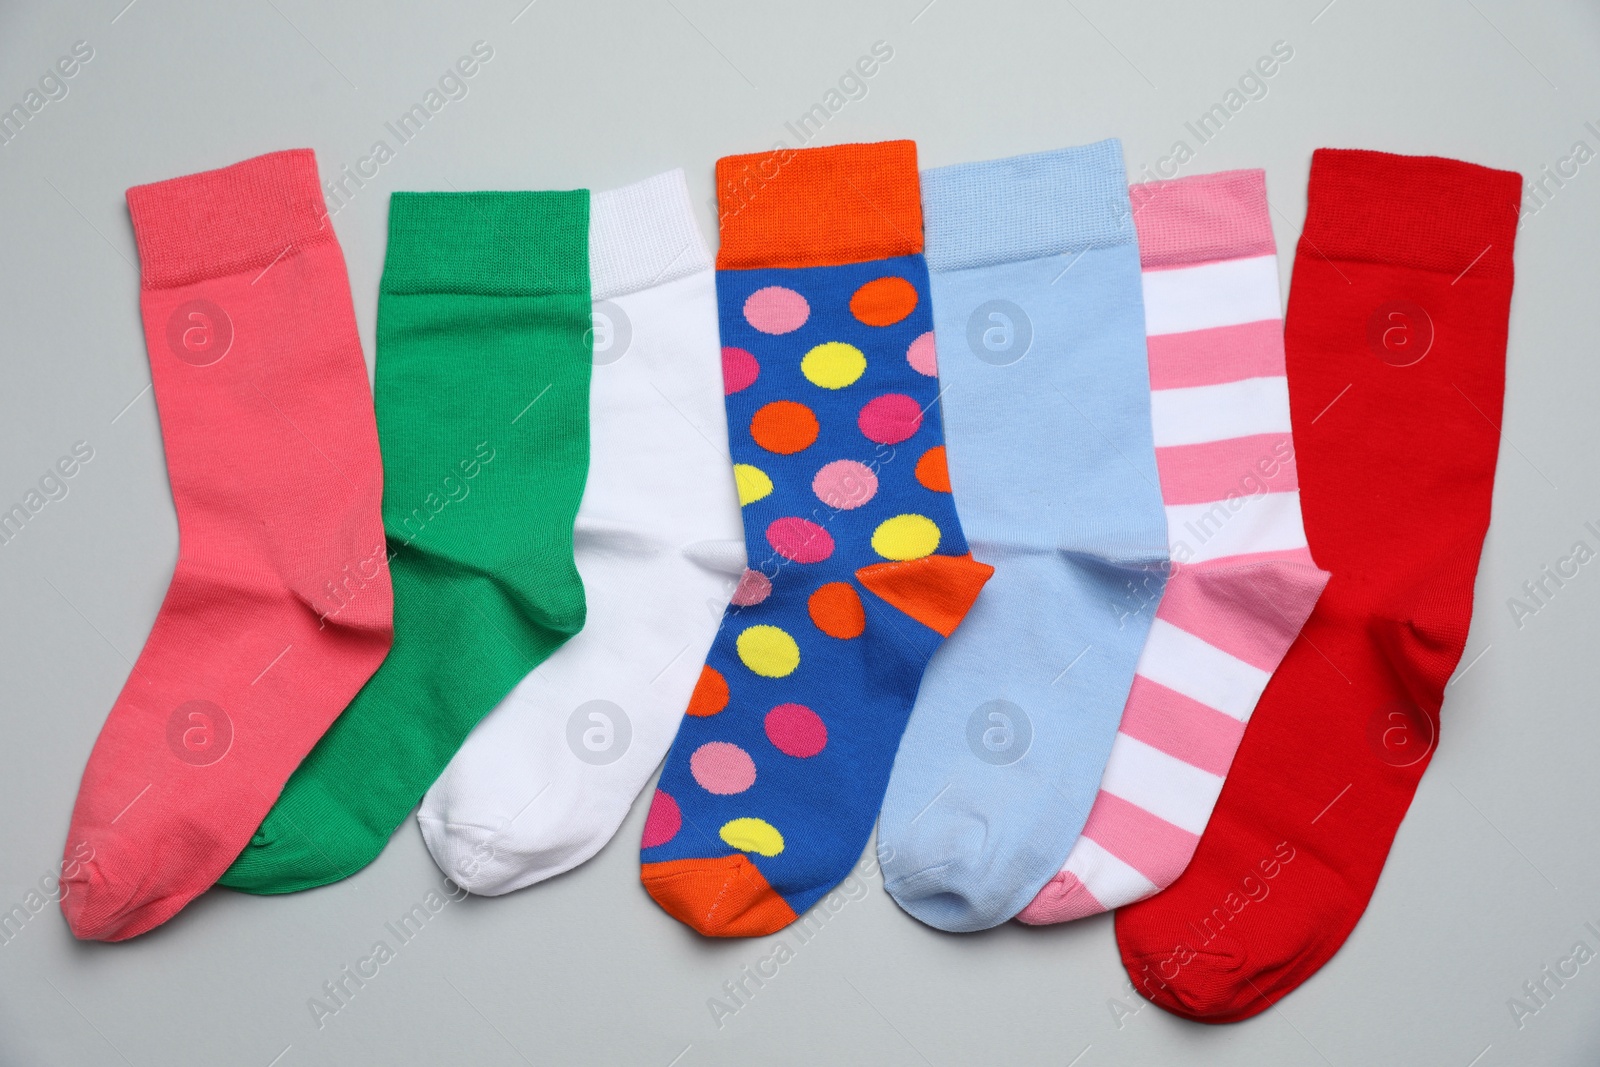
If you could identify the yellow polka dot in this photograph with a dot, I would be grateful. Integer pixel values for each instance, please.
(768, 651)
(753, 835)
(833, 365)
(752, 482)
(905, 537)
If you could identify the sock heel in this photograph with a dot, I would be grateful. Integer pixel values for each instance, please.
(1423, 644)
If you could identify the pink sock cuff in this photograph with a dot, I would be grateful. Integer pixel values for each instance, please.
(1202, 218)
(219, 222)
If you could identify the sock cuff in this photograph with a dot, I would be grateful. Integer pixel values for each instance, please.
(817, 207)
(1026, 207)
(643, 235)
(488, 244)
(1202, 219)
(1424, 212)
(240, 218)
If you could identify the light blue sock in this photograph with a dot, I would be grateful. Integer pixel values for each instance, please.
(1039, 328)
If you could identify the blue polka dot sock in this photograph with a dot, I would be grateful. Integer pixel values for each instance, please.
(858, 566)
(1039, 318)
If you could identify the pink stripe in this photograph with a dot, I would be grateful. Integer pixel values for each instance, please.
(1180, 726)
(1218, 355)
(1251, 610)
(1148, 843)
(1201, 218)
(1286, 555)
(1216, 470)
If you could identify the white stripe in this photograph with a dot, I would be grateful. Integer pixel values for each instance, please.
(1203, 413)
(1267, 522)
(1229, 293)
(1163, 785)
(1111, 882)
(1179, 660)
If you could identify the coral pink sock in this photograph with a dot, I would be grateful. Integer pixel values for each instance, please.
(280, 608)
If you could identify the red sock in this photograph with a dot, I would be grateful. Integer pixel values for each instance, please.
(1396, 339)
(279, 608)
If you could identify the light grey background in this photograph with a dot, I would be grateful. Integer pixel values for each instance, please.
(1492, 876)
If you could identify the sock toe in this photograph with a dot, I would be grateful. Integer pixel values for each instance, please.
(956, 897)
(97, 908)
(465, 853)
(977, 882)
(89, 905)
(722, 897)
(275, 862)
(1062, 899)
(1210, 984)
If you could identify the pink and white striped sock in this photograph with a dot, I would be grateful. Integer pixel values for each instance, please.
(1243, 580)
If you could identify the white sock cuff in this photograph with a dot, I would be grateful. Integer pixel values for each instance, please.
(643, 235)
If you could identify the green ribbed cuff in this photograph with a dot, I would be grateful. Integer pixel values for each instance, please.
(490, 244)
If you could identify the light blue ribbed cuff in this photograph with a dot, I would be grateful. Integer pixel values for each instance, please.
(1026, 207)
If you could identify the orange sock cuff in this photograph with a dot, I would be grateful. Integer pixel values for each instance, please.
(818, 207)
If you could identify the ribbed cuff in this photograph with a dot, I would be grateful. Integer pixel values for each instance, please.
(1412, 211)
(488, 244)
(219, 222)
(1202, 219)
(643, 235)
(814, 207)
(1026, 207)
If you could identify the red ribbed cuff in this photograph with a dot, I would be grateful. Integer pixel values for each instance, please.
(219, 222)
(1423, 212)
(1202, 219)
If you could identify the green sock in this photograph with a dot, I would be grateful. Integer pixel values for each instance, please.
(483, 416)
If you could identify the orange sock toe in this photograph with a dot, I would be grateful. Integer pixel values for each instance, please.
(721, 897)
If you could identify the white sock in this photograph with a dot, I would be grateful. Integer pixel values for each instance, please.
(546, 779)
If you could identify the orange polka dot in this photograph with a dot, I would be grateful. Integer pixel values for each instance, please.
(710, 693)
(784, 427)
(837, 611)
(932, 470)
(884, 301)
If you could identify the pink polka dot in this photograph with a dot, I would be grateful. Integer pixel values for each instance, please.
(740, 370)
(722, 768)
(776, 310)
(754, 587)
(890, 419)
(921, 355)
(663, 822)
(800, 540)
(796, 730)
(845, 484)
